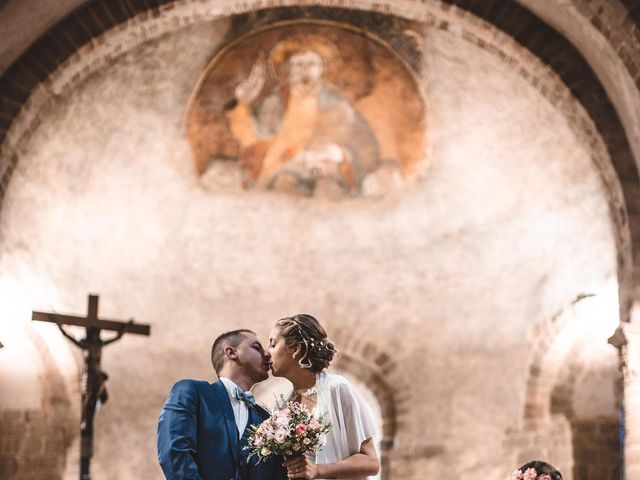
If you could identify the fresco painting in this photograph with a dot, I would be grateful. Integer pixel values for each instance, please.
(310, 108)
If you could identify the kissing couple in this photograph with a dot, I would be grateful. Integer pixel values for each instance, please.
(204, 428)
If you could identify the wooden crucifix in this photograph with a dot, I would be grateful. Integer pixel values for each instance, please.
(93, 378)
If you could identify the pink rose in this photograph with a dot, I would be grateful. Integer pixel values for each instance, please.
(530, 474)
(315, 425)
(300, 429)
(516, 475)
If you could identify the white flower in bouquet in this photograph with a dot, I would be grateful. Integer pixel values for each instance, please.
(281, 435)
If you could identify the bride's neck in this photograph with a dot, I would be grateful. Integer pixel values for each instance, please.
(303, 379)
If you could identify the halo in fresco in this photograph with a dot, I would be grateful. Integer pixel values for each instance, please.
(311, 108)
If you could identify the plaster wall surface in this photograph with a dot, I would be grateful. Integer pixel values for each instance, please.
(450, 277)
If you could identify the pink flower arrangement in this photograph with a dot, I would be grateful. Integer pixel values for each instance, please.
(529, 474)
(291, 430)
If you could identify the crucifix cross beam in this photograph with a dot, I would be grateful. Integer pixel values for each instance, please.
(93, 385)
(91, 320)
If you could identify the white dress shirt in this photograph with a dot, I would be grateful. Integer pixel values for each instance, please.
(240, 409)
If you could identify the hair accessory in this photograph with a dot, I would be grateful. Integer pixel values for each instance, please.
(305, 340)
(311, 342)
(529, 474)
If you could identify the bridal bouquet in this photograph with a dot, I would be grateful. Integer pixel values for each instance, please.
(291, 430)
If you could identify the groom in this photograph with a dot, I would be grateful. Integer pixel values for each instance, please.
(203, 427)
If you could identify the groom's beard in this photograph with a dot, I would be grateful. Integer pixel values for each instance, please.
(256, 373)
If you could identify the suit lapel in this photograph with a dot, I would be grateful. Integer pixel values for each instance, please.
(229, 418)
(254, 419)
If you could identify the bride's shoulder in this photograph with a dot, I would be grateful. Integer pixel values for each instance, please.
(332, 378)
(336, 382)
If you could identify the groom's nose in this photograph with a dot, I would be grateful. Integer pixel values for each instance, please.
(267, 354)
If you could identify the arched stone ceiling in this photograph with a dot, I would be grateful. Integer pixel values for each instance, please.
(611, 49)
(23, 21)
(592, 46)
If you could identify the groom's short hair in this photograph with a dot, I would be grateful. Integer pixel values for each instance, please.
(227, 339)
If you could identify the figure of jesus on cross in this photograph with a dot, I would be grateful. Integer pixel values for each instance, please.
(93, 378)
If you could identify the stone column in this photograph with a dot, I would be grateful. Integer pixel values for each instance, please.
(627, 340)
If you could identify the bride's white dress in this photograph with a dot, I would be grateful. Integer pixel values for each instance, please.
(351, 419)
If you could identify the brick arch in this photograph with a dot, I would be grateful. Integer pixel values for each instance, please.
(373, 377)
(363, 356)
(372, 363)
(589, 436)
(371, 357)
(35, 442)
(586, 448)
(550, 350)
(619, 22)
(544, 432)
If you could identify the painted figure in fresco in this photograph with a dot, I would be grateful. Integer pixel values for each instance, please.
(304, 135)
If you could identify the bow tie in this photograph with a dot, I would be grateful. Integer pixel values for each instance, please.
(246, 397)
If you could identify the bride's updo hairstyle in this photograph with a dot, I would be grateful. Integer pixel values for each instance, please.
(543, 471)
(305, 330)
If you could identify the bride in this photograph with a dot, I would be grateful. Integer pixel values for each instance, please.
(300, 352)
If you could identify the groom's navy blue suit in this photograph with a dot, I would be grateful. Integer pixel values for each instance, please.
(198, 438)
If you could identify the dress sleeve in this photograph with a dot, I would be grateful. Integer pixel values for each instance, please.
(354, 420)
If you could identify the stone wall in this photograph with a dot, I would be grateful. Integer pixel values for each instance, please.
(34, 444)
(38, 404)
